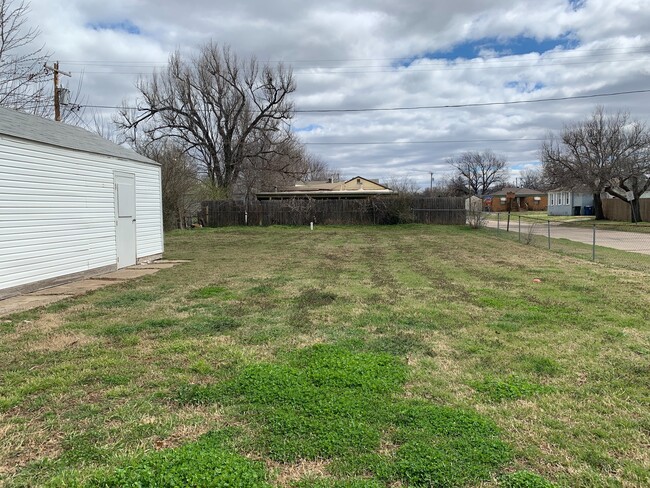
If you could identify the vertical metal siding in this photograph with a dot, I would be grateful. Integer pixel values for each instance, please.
(57, 211)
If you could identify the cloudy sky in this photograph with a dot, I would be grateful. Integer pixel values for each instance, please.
(457, 67)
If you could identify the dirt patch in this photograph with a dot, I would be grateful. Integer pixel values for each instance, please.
(194, 421)
(59, 342)
(18, 450)
(287, 474)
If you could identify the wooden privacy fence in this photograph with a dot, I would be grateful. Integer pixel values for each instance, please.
(370, 211)
(616, 209)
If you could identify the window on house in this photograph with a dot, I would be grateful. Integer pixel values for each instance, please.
(552, 199)
(503, 199)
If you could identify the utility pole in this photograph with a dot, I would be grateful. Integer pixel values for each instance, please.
(57, 99)
(431, 184)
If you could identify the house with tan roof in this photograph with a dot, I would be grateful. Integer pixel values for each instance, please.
(357, 187)
(516, 200)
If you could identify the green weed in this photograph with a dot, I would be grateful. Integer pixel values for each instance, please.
(510, 388)
(330, 402)
(213, 291)
(131, 298)
(201, 464)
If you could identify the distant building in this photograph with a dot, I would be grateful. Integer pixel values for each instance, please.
(515, 200)
(357, 187)
(567, 201)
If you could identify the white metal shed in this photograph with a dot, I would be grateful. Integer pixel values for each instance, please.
(71, 204)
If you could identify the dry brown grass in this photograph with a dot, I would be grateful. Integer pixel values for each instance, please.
(287, 474)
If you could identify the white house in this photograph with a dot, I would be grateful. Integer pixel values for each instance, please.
(71, 204)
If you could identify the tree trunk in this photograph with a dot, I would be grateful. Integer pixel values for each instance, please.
(598, 207)
(635, 207)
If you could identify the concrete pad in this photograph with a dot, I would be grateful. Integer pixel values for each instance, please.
(75, 288)
(27, 302)
(125, 274)
(175, 261)
(155, 265)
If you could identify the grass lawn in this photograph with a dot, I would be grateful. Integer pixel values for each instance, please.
(344, 357)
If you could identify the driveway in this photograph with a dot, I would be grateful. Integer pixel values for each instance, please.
(624, 241)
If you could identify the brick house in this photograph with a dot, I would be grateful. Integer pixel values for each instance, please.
(516, 199)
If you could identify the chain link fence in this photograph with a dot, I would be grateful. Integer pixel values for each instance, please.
(612, 243)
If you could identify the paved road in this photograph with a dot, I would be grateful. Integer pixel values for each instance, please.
(625, 241)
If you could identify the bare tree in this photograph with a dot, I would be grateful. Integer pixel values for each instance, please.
(481, 172)
(180, 184)
(606, 153)
(318, 170)
(22, 65)
(289, 162)
(535, 179)
(403, 185)
(222, 110)
(632, 180)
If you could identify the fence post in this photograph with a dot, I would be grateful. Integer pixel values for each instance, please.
(498, 220)
(519, 217)
(593, 246)
(549, 233)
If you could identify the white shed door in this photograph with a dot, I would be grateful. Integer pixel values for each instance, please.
(125, 219)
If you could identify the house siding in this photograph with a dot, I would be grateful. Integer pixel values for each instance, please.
(576, 199)
(519, 203)
(57, 212)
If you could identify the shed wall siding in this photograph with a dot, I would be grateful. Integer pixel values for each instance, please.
(57, 211)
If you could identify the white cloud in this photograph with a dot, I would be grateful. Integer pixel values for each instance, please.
(344, 54)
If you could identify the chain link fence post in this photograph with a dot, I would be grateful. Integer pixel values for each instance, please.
(593, 245)
(548, 224)
(498, 220)
(519, 230)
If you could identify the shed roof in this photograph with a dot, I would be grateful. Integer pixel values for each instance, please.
(46, 131)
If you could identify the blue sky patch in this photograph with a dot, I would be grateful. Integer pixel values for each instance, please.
(577, 4)
(308, 128)
(524, 86)
(123, 26)
(496, 47)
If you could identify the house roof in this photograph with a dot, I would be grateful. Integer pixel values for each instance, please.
(576, 189)
(519, 192)
(46, 131)
(324, 189)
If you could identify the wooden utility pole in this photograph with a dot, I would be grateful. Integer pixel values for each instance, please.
(57, 100)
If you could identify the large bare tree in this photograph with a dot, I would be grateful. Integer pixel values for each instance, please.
(22, 63)
(225, 112)
(607, 153)
(480, 172)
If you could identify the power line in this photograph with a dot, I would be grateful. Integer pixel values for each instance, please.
(454, 141)
(482, 104)
(435, 107)
(548, 54)
(403, 69)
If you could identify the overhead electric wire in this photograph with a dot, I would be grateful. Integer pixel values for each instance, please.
(435, 107)
(408, 64)
(548, 54)
(406, 69)
(379, 143)
(478, 104)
